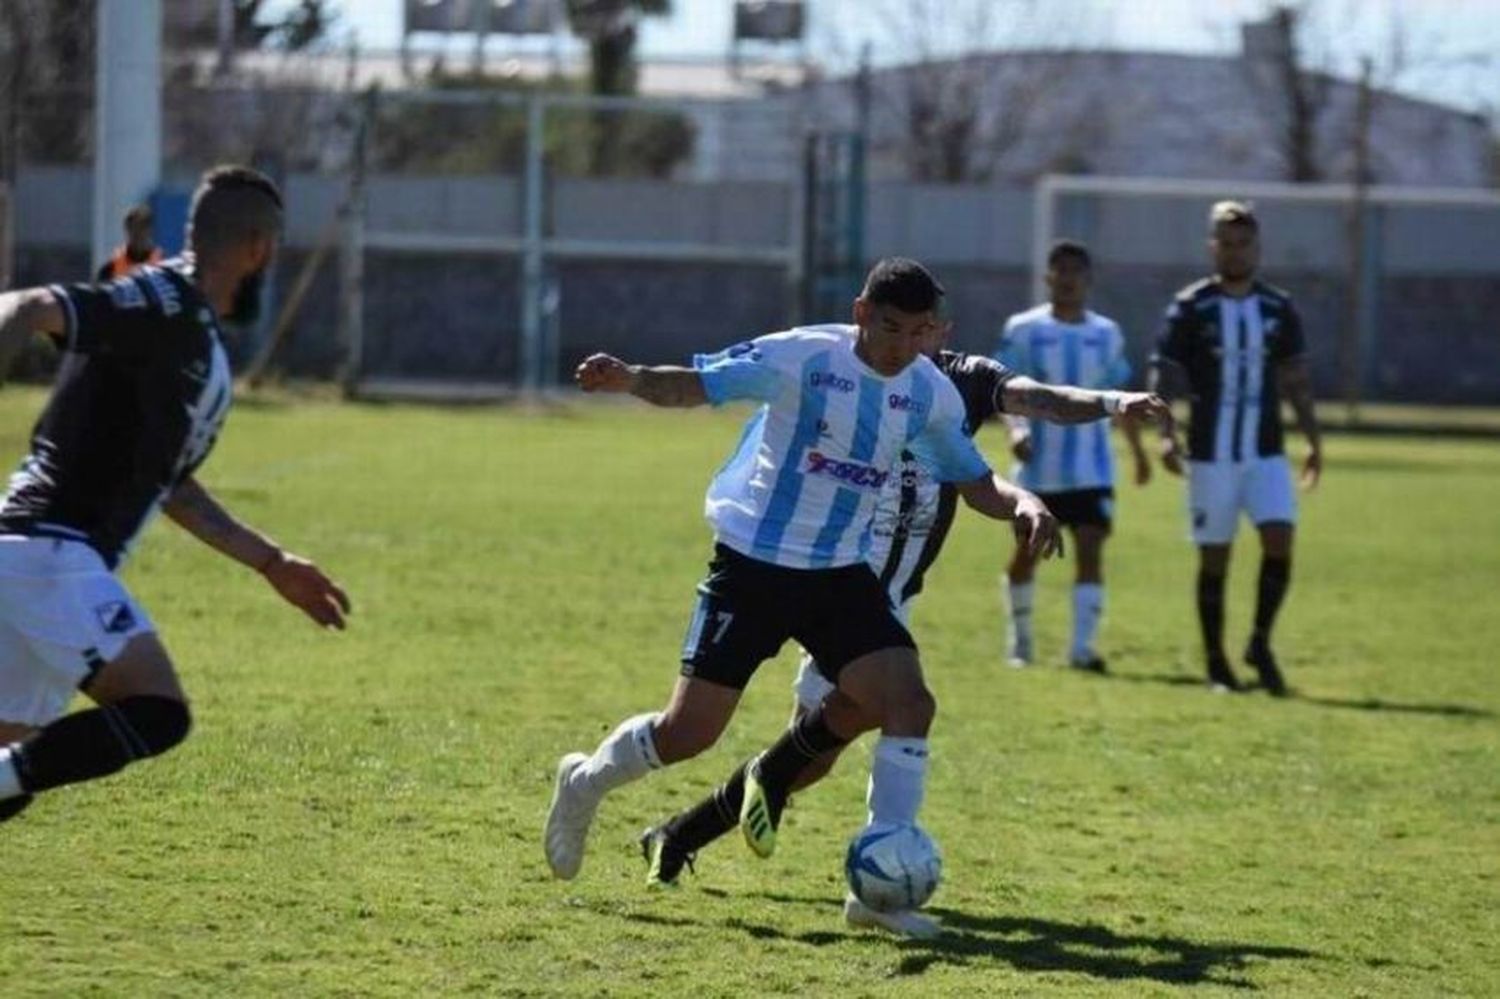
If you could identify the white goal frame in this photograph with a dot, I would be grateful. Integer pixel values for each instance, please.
(7, 237)
(1051, 187)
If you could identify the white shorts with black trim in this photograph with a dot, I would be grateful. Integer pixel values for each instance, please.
(63, 615)
(1219, 490)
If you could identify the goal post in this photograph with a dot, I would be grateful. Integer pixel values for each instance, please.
(1394, 283)
(7, 239)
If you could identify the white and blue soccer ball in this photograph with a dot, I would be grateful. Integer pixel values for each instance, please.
(893, 867)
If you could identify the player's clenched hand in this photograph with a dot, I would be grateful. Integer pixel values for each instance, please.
(604, 373)
(1036, 529)
(1171, 455)
(304, 586)
(1312, 469)
(1144, 407)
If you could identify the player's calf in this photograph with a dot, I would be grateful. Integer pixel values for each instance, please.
(92, 744)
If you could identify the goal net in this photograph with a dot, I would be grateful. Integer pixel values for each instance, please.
(1399, 298)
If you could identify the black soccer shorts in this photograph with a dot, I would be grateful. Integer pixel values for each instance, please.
(748, 609)
(1082, 507)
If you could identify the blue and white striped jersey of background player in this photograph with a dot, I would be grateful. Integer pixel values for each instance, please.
(1090, 354)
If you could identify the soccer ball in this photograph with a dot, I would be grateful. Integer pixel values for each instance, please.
(893, 867)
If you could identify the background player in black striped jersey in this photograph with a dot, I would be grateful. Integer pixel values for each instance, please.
(911, 523)
(139, 399)
(1238, 341)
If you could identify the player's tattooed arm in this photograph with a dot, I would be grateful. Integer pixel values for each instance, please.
(661, 386)
(1069, 404)
(1162, 379)
(22, 314)
(300, 582)
(1295, 382)
(1036, 529)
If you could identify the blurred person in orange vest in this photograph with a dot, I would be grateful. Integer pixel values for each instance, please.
(138, 248)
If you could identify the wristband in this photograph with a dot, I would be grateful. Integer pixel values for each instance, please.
(1114, 403)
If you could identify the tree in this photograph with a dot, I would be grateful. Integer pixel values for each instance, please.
(963, 101)
(609, 28)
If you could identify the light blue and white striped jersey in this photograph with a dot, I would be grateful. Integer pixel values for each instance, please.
(800, 488)
(1090, 355)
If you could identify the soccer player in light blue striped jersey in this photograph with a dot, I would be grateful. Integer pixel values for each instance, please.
(792, 512)
(1069, 466)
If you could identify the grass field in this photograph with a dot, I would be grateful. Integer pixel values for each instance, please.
(360, 813)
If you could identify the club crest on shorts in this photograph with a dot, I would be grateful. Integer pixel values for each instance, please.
(115, 617)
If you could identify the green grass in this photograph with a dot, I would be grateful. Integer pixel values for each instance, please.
(360, 813)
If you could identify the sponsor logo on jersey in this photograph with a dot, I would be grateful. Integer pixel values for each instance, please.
(115, 617)
(849, 473)
(905, 404)
(829, 381)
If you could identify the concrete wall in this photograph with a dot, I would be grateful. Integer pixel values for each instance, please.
(456, 315)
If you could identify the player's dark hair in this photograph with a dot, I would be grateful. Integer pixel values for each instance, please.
(139, 215)
(1065, 248)
(904, 284)
(232, 204)
(1233, 213)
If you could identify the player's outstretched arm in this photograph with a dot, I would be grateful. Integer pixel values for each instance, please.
(1157, 383)
(23, 314)
(1036, 529)
(300, 582)
(1295, 382)
(1132, 431)
(1024, 396)
(661, 386)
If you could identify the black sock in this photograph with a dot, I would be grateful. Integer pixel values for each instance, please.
(715, 815)
(1211, 613)
(808, 738)
(95, 743)
(1275, 578)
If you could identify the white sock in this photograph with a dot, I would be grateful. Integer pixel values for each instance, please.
(626, 754)
(1088, 608)
(1019, 600)
(898, 779)
(10, 781)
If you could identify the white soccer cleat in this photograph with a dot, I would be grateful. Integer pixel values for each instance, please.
(568, 819)
(908, 923)
(1018, 654)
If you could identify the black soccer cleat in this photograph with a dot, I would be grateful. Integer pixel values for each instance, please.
(1092, 664)
(1258, 654)
(664, 862)
(1220, 677)
(11, 807)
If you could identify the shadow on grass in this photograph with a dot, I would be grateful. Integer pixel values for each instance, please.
(1033, 944)
(1348, 704)
(1030, 944)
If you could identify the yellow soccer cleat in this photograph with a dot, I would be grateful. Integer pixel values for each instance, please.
(760, 813)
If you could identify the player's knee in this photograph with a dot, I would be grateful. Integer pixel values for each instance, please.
(158, 723)
(910, 712)
(679, 738)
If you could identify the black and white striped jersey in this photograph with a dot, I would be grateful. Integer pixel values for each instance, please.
(140, 397)
(915, 511)
(1230, 349)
